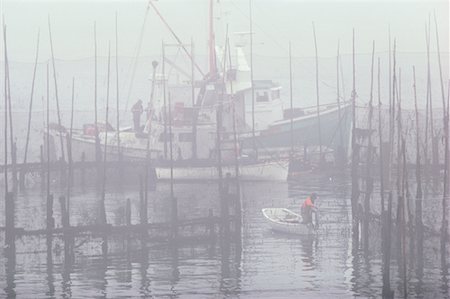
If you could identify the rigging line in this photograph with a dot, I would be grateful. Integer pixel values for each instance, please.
(134, 63)
(171, 70)
(175, 36)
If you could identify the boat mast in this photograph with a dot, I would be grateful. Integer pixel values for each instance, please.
(212, 41)
(175, 36)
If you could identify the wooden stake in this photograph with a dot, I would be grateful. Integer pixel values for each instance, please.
(103, 212)
(419, 193)
(427, 109)
(291, 105)
(319, 131)
(30, 108)
(444, 227)
(252, 78)
(6, 116)
(418, 161)
(97, 139)
(341, 155)
(165, 100)
(56, 90)
(48, 133)
(194, 122)
(355, 159)
(9, 108)
(119, 150)
(238, 205)
(174, 205)
(149, 127)
(369, 179)
(439, 63)
(403, 220)
(69, 153)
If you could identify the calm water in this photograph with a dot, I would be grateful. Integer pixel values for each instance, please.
(264, 265)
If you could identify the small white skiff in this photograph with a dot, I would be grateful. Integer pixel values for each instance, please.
(286, 221)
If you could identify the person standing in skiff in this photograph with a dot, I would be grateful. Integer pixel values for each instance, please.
(308, 208)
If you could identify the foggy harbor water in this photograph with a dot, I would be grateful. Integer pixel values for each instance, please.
(225, 149)
(261, 264)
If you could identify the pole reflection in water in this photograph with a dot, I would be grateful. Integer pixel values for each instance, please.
(175, 277)
(254, 262)
(10, 269)
(144, 288)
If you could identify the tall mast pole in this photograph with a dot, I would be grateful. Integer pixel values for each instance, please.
(355, 157)
(97, 140)
(149, 131)
(440, 65)
(233, 103)
(56, 90)
(48, 133)
(6, 116)
(164, 98)
(194, 123)
(212, 41)
(251, 78)
(9, 109)
(338, 95)
(418, 166)
(103, 214)
(319, 130)
(119, 151)
(368, 174)
(291, 102)
(30, 108)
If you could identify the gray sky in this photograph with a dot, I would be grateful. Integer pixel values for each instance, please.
(275, 23)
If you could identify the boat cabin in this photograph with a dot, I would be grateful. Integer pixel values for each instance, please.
(268, 104)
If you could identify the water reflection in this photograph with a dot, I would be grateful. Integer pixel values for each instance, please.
(257, 262)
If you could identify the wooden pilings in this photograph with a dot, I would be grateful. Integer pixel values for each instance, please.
(143, 203)
(9, 220)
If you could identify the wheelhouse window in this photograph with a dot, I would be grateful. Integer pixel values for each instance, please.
(275, 94)
(262, 96)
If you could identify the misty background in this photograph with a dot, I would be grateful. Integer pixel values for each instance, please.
(275, 24)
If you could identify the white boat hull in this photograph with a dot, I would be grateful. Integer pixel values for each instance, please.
(256, 171)
(261, 171)
(278, 218)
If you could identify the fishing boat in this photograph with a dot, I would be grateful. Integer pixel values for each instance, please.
(285, 221)
(202, 131)
(275, 125)
(133, 147)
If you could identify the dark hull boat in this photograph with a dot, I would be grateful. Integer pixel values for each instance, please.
(335, 123)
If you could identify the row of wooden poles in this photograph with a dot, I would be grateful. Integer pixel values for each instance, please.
(406, 224)
(224, 194)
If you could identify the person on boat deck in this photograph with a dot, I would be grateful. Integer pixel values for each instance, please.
(308, 207)
(137, 110)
